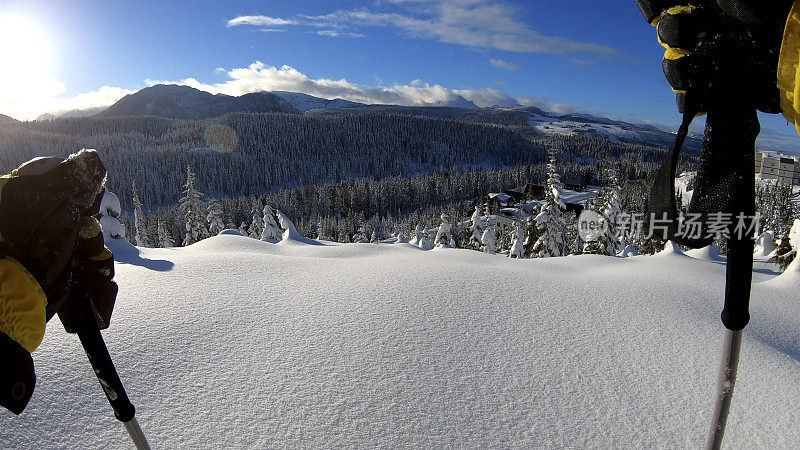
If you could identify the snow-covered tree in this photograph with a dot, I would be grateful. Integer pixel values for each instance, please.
(243, 229)
(517, 248)
(360, 235)
(550, 220)
(444, 235)
(192, 209)
(140, 224)
(789, 246)
(401, 237)
(257, 222)
(214, 217)
(271, 232)
(475, 229)
(608, 206)
(488, 237)
(110, 211)
(374, 237)
(164, 238)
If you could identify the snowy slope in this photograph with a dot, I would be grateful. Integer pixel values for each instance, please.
(587, 125)
(234, 343)
(305, 102)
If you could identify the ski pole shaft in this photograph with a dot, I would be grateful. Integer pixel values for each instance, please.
(725, 384)
(731, 130)
(103, 366)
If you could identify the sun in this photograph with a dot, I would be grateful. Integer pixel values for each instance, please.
(23, 44)
(27, 85)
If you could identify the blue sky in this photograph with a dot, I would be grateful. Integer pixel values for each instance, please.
(588, 56)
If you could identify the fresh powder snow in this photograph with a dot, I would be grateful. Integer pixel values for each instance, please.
(234, 342)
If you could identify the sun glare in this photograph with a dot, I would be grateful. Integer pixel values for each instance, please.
(23, 44)
(26, 58)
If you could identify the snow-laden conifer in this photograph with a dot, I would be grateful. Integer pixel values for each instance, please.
(139, 222)
(517, 248)
(164, 238)
(192, 209)
(488, 239)
(271, 231)
(475, 229)
(216, 223)
(550, 220)
(444, 235)
(257, 222)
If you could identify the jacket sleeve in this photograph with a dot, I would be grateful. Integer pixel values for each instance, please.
(788, 73)
(22, 305)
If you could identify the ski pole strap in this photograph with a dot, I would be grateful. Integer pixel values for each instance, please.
(96, 350)
(661, 203)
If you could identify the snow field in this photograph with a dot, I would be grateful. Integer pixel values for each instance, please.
(233, 343)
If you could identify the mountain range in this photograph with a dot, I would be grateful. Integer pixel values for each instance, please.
(184, 102)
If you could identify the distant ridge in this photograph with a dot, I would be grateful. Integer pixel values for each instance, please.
(184, 102)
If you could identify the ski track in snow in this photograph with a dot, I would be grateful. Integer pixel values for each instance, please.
(235, 343)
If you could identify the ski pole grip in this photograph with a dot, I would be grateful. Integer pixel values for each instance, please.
(731, 130)
(96, 350)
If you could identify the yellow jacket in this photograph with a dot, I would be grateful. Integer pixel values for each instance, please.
(788, 73)
(22, 300)
(22, 305)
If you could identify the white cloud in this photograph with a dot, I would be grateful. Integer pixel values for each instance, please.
(334, 33)
(501, 64)
(472, 23)
(260, 21)
(261, 77)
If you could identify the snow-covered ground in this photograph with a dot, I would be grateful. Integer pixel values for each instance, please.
(233, 343)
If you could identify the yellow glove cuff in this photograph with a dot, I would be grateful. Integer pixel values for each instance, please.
(22, 305)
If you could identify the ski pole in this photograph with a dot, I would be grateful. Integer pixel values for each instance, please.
(733, 127)
(96, 350)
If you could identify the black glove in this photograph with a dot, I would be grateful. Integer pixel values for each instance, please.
(41, 204)
(41, 208)
(17, 378)
(92, 291)
(696, 35)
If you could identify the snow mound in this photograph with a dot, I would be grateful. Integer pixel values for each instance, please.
(290, 234)
(765, 245)
(707, 253)
(789, 279)
(671, 248)
(246, 344)
(628, 251)
(230, 231)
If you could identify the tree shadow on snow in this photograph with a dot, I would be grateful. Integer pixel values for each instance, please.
(126, 253)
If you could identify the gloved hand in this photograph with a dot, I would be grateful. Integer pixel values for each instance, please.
(696, 36)
(92, 291)
(41, 208)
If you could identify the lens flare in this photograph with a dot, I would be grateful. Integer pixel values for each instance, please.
(221, 138)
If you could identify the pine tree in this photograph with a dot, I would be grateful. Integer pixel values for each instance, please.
(788, 248)
(444, 235)
(608, 206)
(517, 248)
(475, 229)
(401, 237)
(140, 224)
(164, 238)
(215, 221)
(192, 209)
(550, 220)
(271, 231)
(257, 222)
(374, 237)
(488, 237)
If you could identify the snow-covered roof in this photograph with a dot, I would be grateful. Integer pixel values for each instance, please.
(503, 197)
